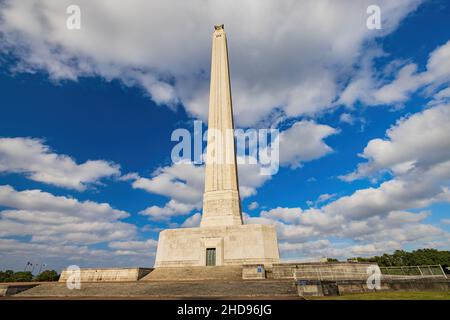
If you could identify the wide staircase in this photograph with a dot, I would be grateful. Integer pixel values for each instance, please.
(194, 273)
(211, 289)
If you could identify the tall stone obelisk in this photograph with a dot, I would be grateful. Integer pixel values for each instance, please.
(221, 201)
(222, 239)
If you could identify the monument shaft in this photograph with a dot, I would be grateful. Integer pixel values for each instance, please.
(221, 200)
(222, 239)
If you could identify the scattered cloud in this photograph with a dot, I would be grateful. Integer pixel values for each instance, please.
(377, 219)
(295, 151)
(415, 143)
(170, 209)
(321, 199)
(59, 219)
(253, 205)
(371, 88)
(342, 236)
(276, 67)
(183, 182)
(38, 162)
(39, 226)
(192, 221)
(289, 215)
(442, 97)
(347, 118)
(14, 254)
(143, 248)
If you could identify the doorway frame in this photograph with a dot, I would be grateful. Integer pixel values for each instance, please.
(211, 243)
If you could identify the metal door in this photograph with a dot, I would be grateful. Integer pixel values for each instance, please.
(211, 256)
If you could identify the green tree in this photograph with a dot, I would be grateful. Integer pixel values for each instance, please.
(48, 275)
(418, 257)
(22, 276)
(6, 276)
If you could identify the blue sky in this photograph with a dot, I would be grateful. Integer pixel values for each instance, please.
(86, 119)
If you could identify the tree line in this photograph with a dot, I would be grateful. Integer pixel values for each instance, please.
(418, 257)
(27, 276)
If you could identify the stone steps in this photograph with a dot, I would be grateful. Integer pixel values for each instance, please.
(166, 289)
(195, 273)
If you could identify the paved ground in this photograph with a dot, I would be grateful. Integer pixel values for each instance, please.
(263, 289)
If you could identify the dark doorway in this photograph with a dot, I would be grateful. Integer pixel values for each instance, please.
(211, 256)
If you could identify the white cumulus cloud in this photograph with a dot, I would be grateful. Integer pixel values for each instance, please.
(286, 58)
(38, 162)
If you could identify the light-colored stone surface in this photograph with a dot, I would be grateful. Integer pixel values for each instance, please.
(221, 208)
(235, 245)
(222, 273)
(108, 274)
(221, 201)
(166, 289)
(253, 272)
(221, 226)
(310, 289)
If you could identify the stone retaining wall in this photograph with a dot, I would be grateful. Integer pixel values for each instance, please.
(329, 288)
(108, 274)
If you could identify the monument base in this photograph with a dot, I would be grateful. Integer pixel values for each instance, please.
(219, 246)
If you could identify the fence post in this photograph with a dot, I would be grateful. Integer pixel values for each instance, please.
(420, 270)
(443, 272)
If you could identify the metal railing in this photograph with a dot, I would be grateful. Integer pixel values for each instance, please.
(428, 271)
(336, 274)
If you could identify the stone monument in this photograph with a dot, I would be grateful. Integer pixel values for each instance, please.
(222, 238)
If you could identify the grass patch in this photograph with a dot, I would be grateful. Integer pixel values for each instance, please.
(396, 295)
